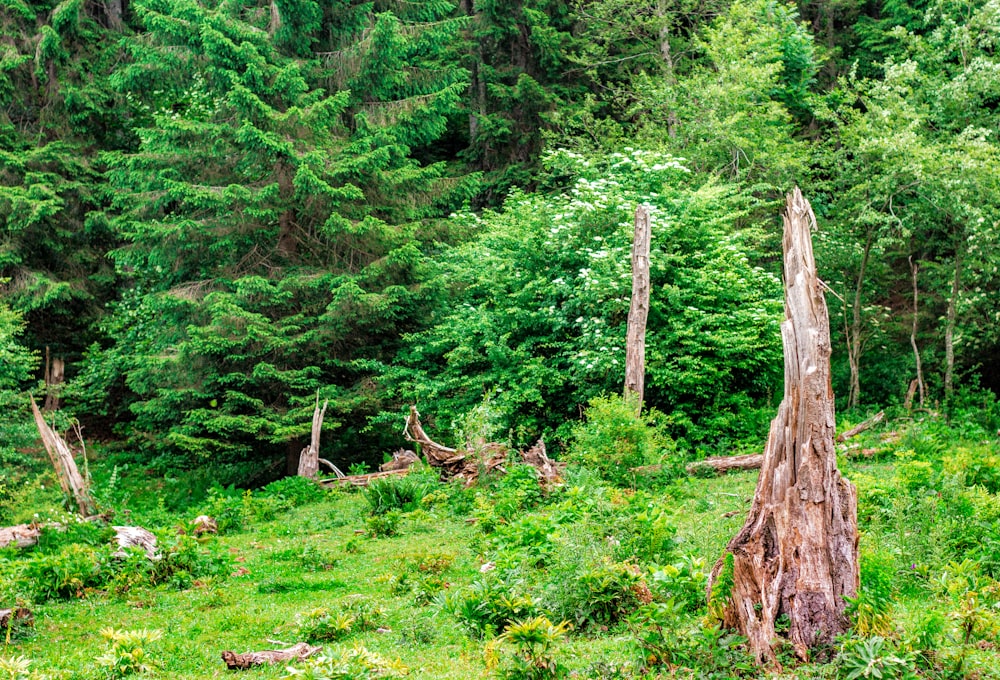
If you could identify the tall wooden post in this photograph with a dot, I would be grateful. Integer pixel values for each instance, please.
(635, 343)
(797, 553)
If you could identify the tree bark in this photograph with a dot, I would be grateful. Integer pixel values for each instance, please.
(55, 376)
(854, 344)
(797, 553)
(72, 483)
(635, 344)
(913, 332)
(949, 331)
(309, 458)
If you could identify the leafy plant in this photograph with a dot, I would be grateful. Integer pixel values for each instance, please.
(490, 603)
(353, 664)
(354, 615)
(128, 652)
(15, 668)
(531, 642)
(295, 490)
(384, 525)
(874, 657)
(401, 493)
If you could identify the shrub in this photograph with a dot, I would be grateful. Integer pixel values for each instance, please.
(67, 573)
(354, 615)
(614, 439)
(489, 603)
(383, 526)
(662, 638)
(295, 491)
(399, 492)
(871, 609)
(601, 592)
(684, 583)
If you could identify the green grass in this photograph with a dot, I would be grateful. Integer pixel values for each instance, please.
(918, 523)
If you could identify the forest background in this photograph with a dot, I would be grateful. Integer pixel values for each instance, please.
(211, 211)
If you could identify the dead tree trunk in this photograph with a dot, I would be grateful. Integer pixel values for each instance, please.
(55, 376)
(797, 553)
(309, 458)
(635, 344)
(73, 484)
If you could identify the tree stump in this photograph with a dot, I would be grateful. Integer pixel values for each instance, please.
(797, 553)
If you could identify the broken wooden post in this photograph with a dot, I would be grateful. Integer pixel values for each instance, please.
(72, 483)
(797, 554)
(635, 343)
(55, 376)
(309, 458)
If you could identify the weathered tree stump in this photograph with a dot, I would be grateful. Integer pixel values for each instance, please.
(309, 458)
(797, 553)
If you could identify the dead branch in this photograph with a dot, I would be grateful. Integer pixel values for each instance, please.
(861, 427)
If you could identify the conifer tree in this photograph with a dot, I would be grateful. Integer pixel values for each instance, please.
(272, 225)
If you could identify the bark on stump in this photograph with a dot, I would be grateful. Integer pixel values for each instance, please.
(309, 458)
(797, 553)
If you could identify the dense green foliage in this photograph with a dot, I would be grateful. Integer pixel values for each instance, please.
(214, 211)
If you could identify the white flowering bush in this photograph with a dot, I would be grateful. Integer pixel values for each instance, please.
(540, 300)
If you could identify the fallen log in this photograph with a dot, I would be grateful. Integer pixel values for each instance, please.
(135, 537)
(18, 616)
(297, 652)
(361, 480)
(861, 427)
(203, 524)
(536, 457)
(482, 459)
(724, 464)
(22, 535)
(26, 535)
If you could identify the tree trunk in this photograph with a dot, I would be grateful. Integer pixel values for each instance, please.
(854, 344)
(635, 344)
(55, 376)
(115, 10)
(913, 332)
(309, 458)
(797, 553)
(949, 331)
(73, 484)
